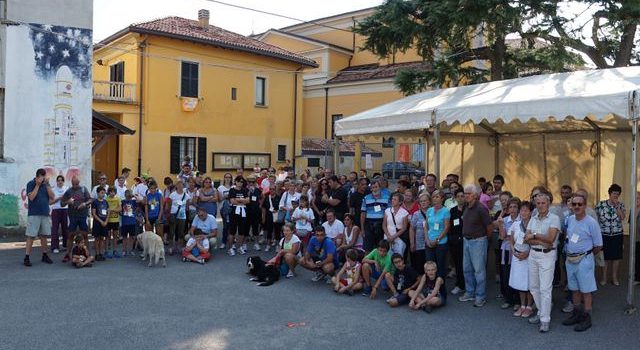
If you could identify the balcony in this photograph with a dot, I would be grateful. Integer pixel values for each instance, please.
(111, 91)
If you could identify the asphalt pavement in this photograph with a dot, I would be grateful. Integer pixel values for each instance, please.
(122, 304)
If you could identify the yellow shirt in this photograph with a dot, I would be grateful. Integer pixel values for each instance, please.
(114, 203)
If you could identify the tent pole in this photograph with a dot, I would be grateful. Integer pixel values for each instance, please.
(426, 151)
(496, 164)
(462, 160)
(632, 212)
(436, 149)
(544, 160)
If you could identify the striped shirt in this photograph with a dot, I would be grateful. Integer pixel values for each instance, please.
(375, 207)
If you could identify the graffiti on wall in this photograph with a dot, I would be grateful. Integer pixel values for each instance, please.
(9, 213)
(62, 57)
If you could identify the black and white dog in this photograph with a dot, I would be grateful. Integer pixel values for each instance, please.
(265, 274)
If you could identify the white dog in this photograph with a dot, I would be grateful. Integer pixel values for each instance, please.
(153, 247)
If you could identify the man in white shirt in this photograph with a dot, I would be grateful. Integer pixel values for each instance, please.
(102, 182)
(333, 227)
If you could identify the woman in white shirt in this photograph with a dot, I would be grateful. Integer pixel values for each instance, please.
(352, 238)
(59, 217)
(178, 215)
(225, 208)
(303, 217)
(395, 223)
(519, 274)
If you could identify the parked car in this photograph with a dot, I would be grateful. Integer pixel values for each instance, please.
(401, 168)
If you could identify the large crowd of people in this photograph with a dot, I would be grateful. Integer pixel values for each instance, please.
(353, 232)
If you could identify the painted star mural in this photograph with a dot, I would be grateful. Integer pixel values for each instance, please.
(55, 46)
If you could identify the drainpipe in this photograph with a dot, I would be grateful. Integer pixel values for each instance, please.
(142, 47)
(295, 114)
(326, 112)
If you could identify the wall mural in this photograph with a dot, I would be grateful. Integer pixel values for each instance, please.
(62, 54)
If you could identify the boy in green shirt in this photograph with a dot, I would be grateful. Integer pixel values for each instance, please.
(374, 266)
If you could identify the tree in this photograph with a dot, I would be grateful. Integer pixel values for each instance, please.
(456, 36)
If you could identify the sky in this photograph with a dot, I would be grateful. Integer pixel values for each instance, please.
(110, 16)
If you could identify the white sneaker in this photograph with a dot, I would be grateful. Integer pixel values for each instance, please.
(456, 291)
(56, 251)
(243, 250)
(267, 248)
(221, 246)
(290, 274)
(256, 247)
(232, 251)
(568, 307)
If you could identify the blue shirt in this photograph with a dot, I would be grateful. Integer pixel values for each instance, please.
(101, 207)
(40, 204)
(206, 226)
(436, 222)
(321, 250)
(153, 202)
(375, 207)
(582, 235)
(129, 207)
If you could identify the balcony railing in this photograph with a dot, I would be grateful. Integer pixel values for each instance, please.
(114, 91)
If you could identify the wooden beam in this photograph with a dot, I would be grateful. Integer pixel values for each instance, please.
(100, 141)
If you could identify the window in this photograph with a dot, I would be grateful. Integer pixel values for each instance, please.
(261, 85)
(282, 153)
(189, 80)
(334, 119)
(313, 162)
(193, 147)
(116, 79)
(234, 94)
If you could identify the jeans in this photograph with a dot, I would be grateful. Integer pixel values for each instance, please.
(225, 227)
(475, 267)
(541, 268)
(439, 256)
(59, 219)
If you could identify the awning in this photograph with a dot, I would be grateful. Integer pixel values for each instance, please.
(596, 95)
(103, 128)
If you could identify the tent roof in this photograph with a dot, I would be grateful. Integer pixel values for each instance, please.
(591, 98)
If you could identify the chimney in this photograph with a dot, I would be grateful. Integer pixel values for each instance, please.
(203, 18)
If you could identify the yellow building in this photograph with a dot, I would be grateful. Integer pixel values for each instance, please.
(348, 80)
(189, 88)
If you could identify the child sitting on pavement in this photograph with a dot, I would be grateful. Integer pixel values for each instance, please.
(348, 279)
(197, 249)
(401, 282)
(430, 292)
(374, 266)
(80, 253)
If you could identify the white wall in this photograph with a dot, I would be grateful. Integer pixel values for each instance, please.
(48, 95)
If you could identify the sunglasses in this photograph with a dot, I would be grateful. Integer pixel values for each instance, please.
(577, 204)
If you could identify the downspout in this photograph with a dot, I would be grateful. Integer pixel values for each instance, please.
(326, 112)
(142, 47)
(295, 114)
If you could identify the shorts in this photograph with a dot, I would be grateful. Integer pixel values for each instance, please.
(113, 226)
(375, 274)
(128, 231)
(78, 223)
(402, 299)
(204, 255)
(581, 276)
(213, 241)
(155, 221)
(99, 231)
(38, 225)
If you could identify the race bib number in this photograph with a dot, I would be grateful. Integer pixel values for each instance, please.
(152, 207)
(574, 238)
(254, 198)
(103, 212)
(436, 226)
(456, 222)
(377, 208)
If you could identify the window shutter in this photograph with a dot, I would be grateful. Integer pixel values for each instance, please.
(174, 158)
(202, 155)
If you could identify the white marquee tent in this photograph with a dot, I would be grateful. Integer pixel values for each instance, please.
(605, 99)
